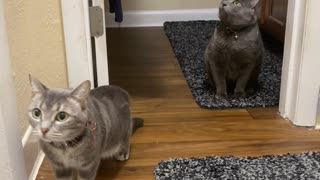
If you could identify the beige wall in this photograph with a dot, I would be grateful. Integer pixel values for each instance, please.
(36, 46)
(168, 4)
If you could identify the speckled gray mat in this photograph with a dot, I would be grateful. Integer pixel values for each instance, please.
(286, 167)
(189, 40)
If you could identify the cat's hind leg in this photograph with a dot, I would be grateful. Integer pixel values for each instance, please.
(210, 76)
(253, 83)
(241, 84)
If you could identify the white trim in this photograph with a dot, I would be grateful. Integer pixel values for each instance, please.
(26, 136)
(31, 151)
(292, 57)
(309, 76)
(101, 50)
(37, 165)
(157, 18)
(11, 151)
(88, 38)
(77, 41)
(301, 78)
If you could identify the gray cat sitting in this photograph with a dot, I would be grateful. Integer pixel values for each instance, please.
(79, 127)
(234, 54)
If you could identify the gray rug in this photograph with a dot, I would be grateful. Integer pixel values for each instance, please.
(287, 167)
(189, 40)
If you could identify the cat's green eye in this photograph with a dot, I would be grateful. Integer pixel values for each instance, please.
(36, 113)
(62, 116)
(237, 3)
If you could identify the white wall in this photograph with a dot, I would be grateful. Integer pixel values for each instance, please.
(152, 5)
(144, 13)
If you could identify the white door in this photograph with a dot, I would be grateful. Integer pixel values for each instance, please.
(86, 55)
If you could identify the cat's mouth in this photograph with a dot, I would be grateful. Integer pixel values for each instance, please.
(71, 142)
(45, 138)
(49, 137)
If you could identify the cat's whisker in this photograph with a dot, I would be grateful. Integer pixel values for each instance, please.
(35, 133)
(60, 134)
(66, 144)
(75, 142)
(54, 136)
(54, 128)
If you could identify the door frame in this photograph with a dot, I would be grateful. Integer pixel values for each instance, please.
(300, 79)
(293, 94)
(78, 44)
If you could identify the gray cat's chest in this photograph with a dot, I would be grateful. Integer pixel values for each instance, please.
(225, 49)
(234, 55)
(70, 157)
(244, 43)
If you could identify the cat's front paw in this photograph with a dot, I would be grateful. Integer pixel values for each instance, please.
(240, 94)
(122, 157)
(221, 95)
(251, 91)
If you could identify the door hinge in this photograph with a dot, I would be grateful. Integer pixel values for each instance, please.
(96, 21)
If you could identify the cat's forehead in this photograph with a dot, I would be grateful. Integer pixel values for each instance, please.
(52, 98)
(244, 3)
(55, 95)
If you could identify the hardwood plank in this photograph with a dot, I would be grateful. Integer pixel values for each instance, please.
(265, 113)
(229, 130)
(142, 61)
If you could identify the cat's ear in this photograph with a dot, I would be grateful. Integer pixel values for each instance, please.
(82, 92)
(254, 3)
(37, 86)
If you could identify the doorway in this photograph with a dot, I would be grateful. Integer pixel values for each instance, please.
(290, 88)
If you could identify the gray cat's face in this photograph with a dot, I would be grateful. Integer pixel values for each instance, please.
(58, 114)
(238, 13)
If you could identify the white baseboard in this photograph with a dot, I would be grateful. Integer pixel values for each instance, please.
(26, 136)
(33, 156)
(157, 18)
(37, 165)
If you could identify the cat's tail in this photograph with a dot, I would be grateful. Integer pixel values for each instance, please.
(137, 123)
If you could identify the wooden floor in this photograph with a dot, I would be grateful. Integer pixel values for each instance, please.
(141, 61)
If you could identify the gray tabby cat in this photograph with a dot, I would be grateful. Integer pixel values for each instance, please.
(234, 55)
(79, 127)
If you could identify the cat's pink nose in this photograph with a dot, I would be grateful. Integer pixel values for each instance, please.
(44, 130)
